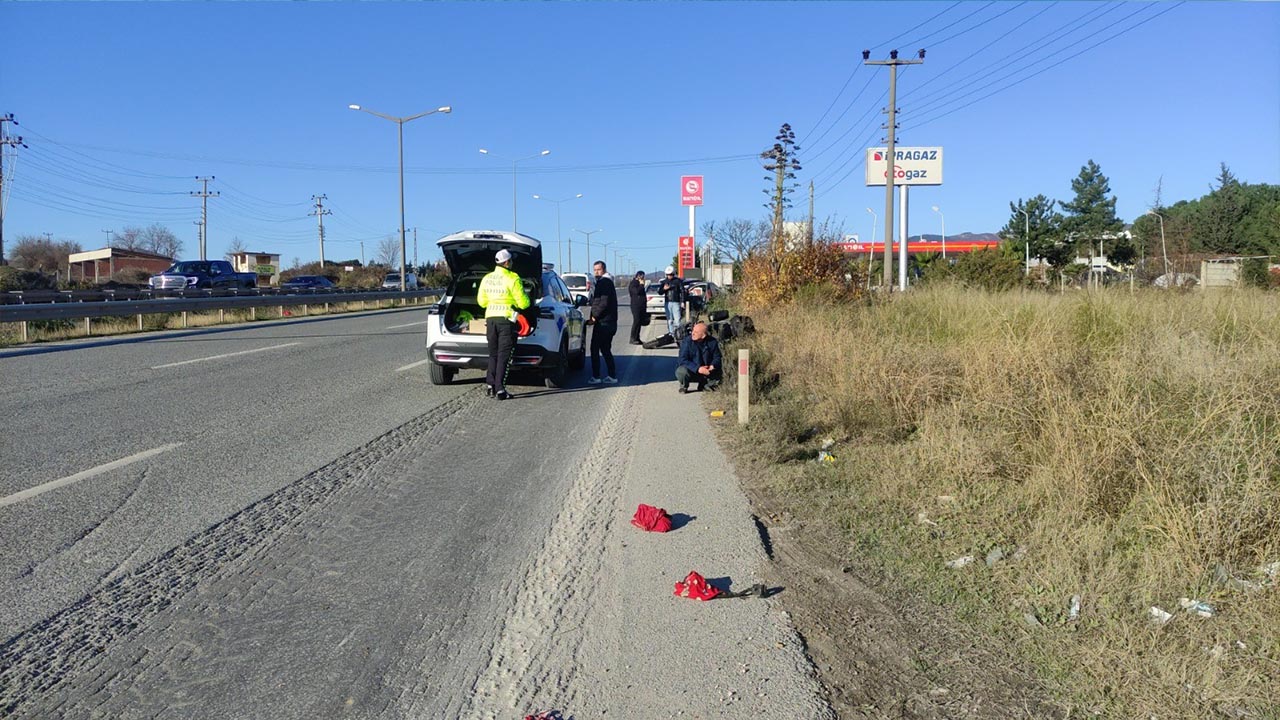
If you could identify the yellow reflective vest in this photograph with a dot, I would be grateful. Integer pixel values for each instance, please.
(501, 294)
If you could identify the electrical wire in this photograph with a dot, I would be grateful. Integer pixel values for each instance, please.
(1140, 23)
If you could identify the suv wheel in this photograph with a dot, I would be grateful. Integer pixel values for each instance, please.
(556, 377)
(441, 375)
(578, 360)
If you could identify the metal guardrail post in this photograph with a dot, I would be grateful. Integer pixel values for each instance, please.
(184, 318)
(744, 386)
(139, 322)
(88, 329)
(24, 331)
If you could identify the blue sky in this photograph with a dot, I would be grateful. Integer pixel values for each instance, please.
(123, 104)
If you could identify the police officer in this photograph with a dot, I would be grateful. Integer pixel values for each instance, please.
(502, 296)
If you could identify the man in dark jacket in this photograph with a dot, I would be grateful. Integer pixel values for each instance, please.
(639, 302)
(604, 323)
(700, 360)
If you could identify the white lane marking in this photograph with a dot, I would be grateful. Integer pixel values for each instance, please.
(420, 322)
(224, 355)
(410, 366)
(85, 475)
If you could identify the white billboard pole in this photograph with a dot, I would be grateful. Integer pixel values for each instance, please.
(902, 237)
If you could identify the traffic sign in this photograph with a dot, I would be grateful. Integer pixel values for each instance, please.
(690, 189)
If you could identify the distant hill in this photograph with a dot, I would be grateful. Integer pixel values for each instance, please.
(962, 237)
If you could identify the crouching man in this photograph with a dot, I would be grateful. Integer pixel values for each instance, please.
(700, 360)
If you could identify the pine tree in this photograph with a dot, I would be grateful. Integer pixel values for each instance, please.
(1044, 225)
(1223, 212)
(1091, 215)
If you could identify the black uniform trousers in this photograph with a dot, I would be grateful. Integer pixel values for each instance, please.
(501, 336)
(602, 344)
(638, 312)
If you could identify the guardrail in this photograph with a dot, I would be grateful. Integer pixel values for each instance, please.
(185, 301)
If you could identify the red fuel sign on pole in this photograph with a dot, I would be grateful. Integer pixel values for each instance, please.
(685, 253)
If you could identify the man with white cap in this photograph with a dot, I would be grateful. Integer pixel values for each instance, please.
(502, 296)
(672, 290)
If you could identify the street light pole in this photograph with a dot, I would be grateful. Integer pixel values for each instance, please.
(400, 121)
(1164, 250)
(944, 231)
(514, 162)
(588, 233)
(559, 238)
(1027, 235)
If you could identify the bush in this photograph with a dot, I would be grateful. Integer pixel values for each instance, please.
(12, 278)
(773, 276)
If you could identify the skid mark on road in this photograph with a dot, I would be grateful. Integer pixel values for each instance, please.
(35, 663)
(533, 660)
(413, 365)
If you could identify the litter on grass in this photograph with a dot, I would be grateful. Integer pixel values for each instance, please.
(1158, 616)
(1198, 607)
(960, 562)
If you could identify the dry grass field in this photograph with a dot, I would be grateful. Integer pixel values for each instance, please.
(1119, 450)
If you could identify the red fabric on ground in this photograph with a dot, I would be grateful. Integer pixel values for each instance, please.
(651, 519)
(695, 587)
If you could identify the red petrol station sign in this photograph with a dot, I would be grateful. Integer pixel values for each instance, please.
(685, 252)
(690, 189)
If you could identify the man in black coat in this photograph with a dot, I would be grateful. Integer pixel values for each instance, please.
(604, 323)
(639, 303)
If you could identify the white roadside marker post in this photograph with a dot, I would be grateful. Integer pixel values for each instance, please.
(744, 386)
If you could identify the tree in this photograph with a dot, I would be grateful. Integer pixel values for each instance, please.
(388, 251)
(235, 246)
(736, 237)
(1044, 225)
(781, 161)
(33, 252)
(154, 238)
(1223, 211)
(1091, 215)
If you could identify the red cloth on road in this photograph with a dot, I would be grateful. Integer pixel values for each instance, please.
(696, 587)
(651, 519)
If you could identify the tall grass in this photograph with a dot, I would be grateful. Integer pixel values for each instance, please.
(1123, 448)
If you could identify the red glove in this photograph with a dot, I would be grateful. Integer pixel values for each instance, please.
(522, 326)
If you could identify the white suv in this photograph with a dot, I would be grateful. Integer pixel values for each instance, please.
(455, 328)
(392, 281)
(580, 284)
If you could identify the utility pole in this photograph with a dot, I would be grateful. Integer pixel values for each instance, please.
(320, 212)
(362, 263)
(204, 196)
(108, 232)
(893, 62)
(6, 142)
(415, 249)
(199, 233)
(810, 211)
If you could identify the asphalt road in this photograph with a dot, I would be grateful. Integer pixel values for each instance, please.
(288, 520)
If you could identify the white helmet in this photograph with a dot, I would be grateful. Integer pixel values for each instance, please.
(503, 255)
(671, 270)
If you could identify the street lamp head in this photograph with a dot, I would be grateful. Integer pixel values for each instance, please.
(445, 109)
(483, 151)
(545, 152)
(873, 212)
(578, 195)
(935, 209)
(353, 107)
(537, 197)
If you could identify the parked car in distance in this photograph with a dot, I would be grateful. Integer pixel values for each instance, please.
(204, 274)
(456, 326)
(700, 292)
(392, 281)
(580, 284)
(308, 282)
(654, 303)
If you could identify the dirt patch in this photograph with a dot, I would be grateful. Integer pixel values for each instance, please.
(880, 651)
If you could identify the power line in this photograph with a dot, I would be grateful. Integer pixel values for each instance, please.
(1057, 64)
